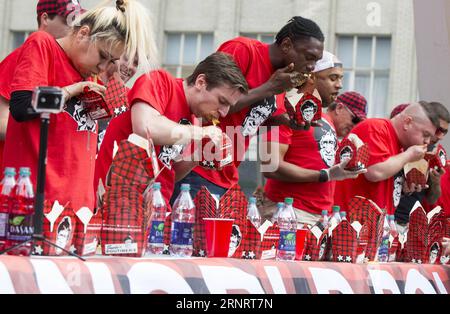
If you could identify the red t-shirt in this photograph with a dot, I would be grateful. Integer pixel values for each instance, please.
(165, 94)
(444, 200)
(253, 59)
(72, 136)
(7, 67)
(314, 149)
(380, 136)
(2, 144)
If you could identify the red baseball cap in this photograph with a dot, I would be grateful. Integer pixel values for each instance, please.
(355, 102)
(59, 7)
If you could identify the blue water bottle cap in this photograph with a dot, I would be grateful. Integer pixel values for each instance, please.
(324, 212)
(157, 186)
(336, 208)
(252, 200)
(24, 172)
(185, 187)
(289, 200)
(10, 171)
(280, 204)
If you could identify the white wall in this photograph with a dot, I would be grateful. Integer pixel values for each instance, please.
(433, 52)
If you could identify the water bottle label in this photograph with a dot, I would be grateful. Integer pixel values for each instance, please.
(156, 232)
(20, 227)
(182, 233)
(287, 241)
(3, 224)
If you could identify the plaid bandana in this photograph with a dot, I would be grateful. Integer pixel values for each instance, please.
(60, 7)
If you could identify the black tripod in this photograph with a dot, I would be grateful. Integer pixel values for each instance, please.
(40, 188)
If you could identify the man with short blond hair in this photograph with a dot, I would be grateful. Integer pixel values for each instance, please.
(429, 196)
(392, 144)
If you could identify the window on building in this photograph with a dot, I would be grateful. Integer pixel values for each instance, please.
(18, 38)
(185, 50)
(265, 38)
(367, 61)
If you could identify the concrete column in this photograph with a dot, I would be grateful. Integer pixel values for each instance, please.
(432, 33)
(5, 38)
(403, 63)
(228, 21)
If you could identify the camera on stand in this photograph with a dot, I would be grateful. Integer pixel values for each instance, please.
(47, 99)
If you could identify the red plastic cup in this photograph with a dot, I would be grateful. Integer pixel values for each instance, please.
(300, 237)
(218, 234)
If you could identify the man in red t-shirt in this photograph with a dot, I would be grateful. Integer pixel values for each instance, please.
(444, 200)
(52, 17)
(304, 161)
(162, 107)
(269, 70)
(392, 144)
(427, 196)
(347, 111)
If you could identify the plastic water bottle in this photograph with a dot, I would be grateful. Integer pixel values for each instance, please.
(253, 213)
(280, 206)
(287, 222)
(392, 226)
(155, 243)
(335, 217)
(383, 250)
(7, 186)
(183, 219)
(334, 221)
(20, 222)
(393, 233)
(324, 220)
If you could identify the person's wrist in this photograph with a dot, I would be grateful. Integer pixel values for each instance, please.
(67, 94)
(269, 89)
(407, 156)
(324, 175)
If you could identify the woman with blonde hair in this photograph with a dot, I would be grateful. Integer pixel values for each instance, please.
(98, 38)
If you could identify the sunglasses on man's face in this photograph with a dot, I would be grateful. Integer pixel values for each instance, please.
(355, 118)
(441, 131)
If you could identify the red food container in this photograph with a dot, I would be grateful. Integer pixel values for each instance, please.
(308, 109)
(437, 159)
(113, 103)
(423, 244)
(358, 152)
(416, 172)
(233, 205)
(368, 214)
(261, 243)
(317, 243)
(59, 228)
(87, 231)
(125, 213)
(216, 157)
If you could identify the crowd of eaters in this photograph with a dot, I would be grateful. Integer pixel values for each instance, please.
(246, 84)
